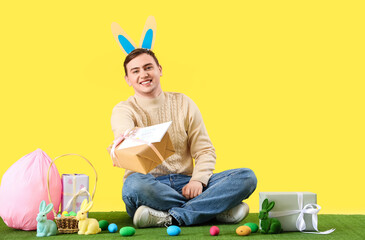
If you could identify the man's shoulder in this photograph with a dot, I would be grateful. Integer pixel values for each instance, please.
(125, 104)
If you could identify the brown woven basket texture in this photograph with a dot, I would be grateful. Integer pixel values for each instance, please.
(67, 224)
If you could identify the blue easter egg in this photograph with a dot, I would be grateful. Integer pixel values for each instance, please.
(113, 228)
(173, 230)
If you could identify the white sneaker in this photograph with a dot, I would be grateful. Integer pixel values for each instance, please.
(234, 215)
(148, 217)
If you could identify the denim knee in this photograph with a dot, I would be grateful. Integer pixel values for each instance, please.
(249, 179)
(134, 184)
(245, 181)
(140, 187)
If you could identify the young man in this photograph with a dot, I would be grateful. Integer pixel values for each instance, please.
(175, 192)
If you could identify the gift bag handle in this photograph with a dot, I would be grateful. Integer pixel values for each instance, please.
(69, 154)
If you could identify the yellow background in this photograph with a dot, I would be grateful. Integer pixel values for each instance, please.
(280, 85)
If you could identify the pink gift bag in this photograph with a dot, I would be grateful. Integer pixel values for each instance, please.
(24, 186)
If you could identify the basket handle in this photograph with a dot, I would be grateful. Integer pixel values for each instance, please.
(49, 168)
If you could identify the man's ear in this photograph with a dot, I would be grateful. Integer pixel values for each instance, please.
(160, 68)
(127, 80)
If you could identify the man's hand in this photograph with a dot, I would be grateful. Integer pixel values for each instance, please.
(192, 189)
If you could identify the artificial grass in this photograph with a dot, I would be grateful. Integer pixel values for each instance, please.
(349, 227)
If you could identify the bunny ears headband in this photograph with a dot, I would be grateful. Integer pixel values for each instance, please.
(126, 43)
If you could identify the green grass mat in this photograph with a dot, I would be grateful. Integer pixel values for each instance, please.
(349, 227)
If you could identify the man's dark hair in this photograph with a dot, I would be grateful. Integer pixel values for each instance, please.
(135, 53)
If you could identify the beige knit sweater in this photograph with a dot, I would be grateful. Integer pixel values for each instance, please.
(187, 132)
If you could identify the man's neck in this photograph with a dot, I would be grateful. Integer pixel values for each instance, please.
(150, 103)
(149, 95)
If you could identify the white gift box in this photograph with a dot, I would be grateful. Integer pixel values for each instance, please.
(296, 211)
(75, 190)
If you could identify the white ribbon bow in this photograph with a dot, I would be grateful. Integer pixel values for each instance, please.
(82, 192)
(310, 208)
(129, 133)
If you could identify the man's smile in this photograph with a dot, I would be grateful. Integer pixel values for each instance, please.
(145, 82)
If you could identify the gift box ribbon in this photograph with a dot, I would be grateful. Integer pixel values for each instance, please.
(130, 133)
(310, 208)
(83, 192)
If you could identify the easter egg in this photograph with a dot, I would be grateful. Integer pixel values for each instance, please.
(65, 213)
(243, 230)
(59, 215)
(127, 231)
(253, 226)
(113, 228)
(173, 230)
(103, 224)
(214, 231)
(72, 214)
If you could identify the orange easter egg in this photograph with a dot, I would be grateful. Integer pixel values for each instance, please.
(243, 230)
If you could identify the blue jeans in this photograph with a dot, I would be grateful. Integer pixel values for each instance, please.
(224, 191)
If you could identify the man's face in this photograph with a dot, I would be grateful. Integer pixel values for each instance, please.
(144, 76)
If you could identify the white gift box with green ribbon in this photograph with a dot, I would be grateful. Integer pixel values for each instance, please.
(296, 211)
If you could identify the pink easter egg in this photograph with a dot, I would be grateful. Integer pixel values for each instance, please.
(214, 231)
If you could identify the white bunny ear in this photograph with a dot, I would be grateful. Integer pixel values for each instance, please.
(149, 34)
(42, 206)
(124, 41)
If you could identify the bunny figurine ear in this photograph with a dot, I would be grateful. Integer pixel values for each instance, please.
(265, 204)
(42, 206)
(149, 34)
(48, 208)
(83, 205)
(89, 206)
(125, 42)
(271, 206)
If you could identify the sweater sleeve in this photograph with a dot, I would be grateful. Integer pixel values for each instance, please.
(201, 148)
(122, 119)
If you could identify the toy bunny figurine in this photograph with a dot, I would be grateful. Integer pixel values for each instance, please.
(45, 227)
(87, 225)
(268, 225)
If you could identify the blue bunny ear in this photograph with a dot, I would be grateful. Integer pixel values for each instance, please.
(48, 208)
(124, 41)
(42, 206)
(149, 34)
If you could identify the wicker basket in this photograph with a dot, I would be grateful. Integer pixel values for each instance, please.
(68, 224)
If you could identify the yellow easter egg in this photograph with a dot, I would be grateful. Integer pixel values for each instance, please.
(243, 230)
(64, 213)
